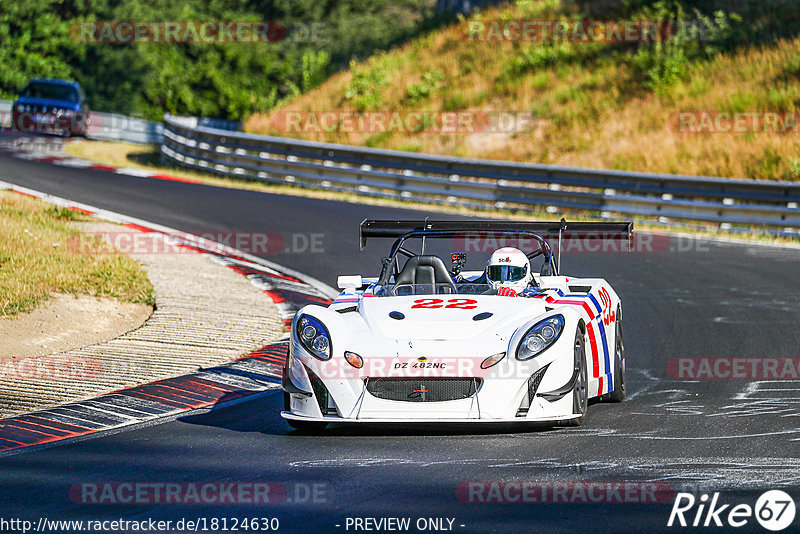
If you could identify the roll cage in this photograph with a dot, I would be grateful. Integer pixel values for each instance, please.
(402, 231)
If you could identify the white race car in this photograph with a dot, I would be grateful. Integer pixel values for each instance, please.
(421, 343)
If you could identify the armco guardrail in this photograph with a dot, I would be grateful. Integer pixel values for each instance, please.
(471, 182)
(114, 127)
(5, 113)
(107, 126)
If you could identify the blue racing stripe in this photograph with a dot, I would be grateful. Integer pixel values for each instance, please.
(601, 328)
(596, 304)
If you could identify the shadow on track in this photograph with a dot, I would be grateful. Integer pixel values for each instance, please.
(261, 414)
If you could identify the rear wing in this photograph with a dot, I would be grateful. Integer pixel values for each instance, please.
(371, 228)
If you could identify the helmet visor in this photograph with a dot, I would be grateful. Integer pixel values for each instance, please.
(506, 273)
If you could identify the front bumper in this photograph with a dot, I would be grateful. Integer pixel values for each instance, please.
(35, 122)
(333, 391)
(425, 420)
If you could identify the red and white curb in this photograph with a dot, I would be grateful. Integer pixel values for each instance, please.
(30, 149)
(254, 373)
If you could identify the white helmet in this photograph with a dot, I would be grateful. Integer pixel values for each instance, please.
(508, 267)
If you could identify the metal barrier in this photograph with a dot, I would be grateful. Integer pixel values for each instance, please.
(106, 126)
(475, 182)
(114, 127)
(5, 113)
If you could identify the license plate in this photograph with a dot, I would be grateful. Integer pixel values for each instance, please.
(43, 118)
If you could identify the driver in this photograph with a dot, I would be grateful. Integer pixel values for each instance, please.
(508, 271)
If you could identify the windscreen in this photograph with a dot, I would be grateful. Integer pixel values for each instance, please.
(51, 91)
(402, 290)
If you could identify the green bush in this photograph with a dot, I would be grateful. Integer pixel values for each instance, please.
(426, 87)
(229, 80)
(363, 90)
(665, 62)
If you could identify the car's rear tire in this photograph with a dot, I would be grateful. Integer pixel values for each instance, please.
(311, 427)
(580, 393)
(618, 395)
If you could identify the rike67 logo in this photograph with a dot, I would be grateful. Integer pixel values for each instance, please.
(774, 510)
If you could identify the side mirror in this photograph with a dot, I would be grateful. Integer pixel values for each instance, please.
(349, 282)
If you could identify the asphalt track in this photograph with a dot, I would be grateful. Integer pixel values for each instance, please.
(691, 299)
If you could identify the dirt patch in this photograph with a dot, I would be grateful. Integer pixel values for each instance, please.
(68, 322)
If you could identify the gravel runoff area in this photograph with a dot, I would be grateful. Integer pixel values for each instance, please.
(205, 314)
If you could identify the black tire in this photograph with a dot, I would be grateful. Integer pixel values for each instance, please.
(580, 393)
(310, 427)
(618, 395)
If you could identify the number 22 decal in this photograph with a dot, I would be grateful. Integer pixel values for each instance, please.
(461, 304)
(609, 316)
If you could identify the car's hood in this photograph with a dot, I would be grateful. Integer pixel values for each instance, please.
(446, 318)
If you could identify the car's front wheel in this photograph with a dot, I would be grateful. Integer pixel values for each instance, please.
(618, 395)
(580, 392)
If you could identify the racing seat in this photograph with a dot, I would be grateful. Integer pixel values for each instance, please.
(422, 272)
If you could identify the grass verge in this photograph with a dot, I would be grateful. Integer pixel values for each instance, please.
(596, 104)
(37, 259)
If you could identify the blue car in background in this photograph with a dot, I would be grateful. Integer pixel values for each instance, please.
(51, 106)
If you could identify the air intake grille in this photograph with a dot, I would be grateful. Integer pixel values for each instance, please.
(533, 386)
(423, 389)
(321, 393)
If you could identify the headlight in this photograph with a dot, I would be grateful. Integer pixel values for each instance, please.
(540, 337)
(314, 337)
(492, 360)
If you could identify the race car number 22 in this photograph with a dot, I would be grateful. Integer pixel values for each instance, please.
(430, 304)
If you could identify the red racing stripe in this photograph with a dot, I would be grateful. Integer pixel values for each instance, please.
(581, 303)
(595, 354)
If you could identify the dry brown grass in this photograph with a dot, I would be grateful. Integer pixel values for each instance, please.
(590, 113)
(37, 259)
